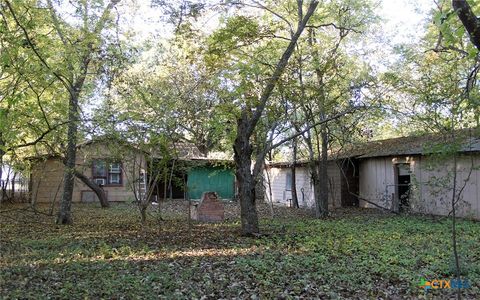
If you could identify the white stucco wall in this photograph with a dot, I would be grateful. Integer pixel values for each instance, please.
(281, 194)
(278, 183)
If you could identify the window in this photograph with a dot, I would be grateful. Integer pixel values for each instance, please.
(107, 173)
(100, 181)
(99, 169)
(288, 180)
(114, 174)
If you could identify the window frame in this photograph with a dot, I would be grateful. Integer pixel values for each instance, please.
(108, 172)
(288, 175)
(111, 171)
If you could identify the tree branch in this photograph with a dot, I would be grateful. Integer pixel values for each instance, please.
(301, 132)
(279, 69)
(94, 187)
(469, 20)
(65, 81)
(334, 26)
(38, 139)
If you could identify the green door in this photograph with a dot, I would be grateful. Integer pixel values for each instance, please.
(210, 179)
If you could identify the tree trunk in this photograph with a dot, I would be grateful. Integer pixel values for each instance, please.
(143, 213)
(469, 20)
(245, 178)
(246, 127)
(322, 200)
(259, 187)
(5, 184)
(270, 193)
(65, 214)
(2, 153)
(323, 175)
(102, 197)
(294, 175)
(170, 187)
(165, 183)
(455, 198)
(316, 188)
(12, 191)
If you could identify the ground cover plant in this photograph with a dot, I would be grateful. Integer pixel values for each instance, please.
(354, 254)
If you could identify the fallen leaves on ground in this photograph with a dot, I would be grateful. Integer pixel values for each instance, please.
(354, 254)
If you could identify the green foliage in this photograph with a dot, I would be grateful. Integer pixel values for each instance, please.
(168, 93)
(238, 31)
(43, 56)
(106, 254)
(434, 86)
(453, 33)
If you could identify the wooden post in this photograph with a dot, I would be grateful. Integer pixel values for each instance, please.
(395, 205)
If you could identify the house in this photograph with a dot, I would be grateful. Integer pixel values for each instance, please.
(191, 173)
(190, 178)
(115, 167)
(278, 183)
(414, 174)
(123, 171)
(401, 174)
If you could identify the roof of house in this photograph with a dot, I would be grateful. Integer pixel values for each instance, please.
(177, 150)
(286, 164)
(467, 140)
(186, 151)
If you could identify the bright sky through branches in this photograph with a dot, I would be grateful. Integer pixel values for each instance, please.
(405, 19)
(402, 19)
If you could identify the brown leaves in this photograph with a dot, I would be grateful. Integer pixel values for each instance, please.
(108, 254)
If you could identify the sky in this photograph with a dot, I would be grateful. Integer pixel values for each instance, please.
(401, 17)
(401, 21)
(405, 18)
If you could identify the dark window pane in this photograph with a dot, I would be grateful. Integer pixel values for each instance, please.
(288, 181)
(99, 168)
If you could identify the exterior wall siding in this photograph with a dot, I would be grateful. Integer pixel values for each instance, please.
(434, 181)
(431, 183)
(278, 184)
(376, 182)
(281, 194)
(47, 176)
(335, 184)
(46, 181)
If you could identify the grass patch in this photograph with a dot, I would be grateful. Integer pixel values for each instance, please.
(107, 254)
